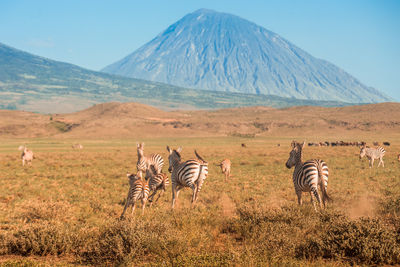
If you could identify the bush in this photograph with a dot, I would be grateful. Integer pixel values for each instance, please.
(366, 241)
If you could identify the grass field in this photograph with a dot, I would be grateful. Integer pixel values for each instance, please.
(64, 209)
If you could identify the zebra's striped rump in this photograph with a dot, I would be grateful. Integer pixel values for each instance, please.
(138, 190)
(154, 162)
(190, 173)
(308, 176)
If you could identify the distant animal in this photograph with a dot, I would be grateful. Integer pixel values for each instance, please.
(244, 145)
(307, 176)
(386, 143)
(398, 157)
(154, 162)
(190, 173)
(278, 144)
(157, 182)
(26, 156)
(77, 146)
(225, 168)
(375, 143)
(138, 190)
(372, 154)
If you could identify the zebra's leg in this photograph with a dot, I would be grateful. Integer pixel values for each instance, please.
(143, 205)
(299, 200)
(174, 195)
(150, 198)
(316, 195)
(194, 195)
(311, 200)
(159, 195)
(126, 206)
(371, 163)
(381, 162)
(23, 162)
(133, 207)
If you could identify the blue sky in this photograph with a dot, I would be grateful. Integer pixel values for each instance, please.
(360, 36)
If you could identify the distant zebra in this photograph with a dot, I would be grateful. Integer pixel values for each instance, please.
(154, 162)
(157, 182)
(308, 176)
(26, 156)
(138, 190)
(372, 154)
(225, 168)
(190, 173)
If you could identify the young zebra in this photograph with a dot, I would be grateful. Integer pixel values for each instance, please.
(26, 156)
(138, 190)
(308, 176)
(372, 154)
(154, 162)
(225, 168)
(157, 182)
(190, 173)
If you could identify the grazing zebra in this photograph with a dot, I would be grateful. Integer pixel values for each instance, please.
(138, 190)
(157, 182)
(154, 162)
(307, 176)
(225, 168)
(190, 173)
(26, 156)
(373, 154)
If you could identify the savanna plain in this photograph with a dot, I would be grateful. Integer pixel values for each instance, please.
(64, 209)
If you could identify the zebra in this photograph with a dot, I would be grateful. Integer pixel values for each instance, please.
(154, 162)
(138, 190)
(190, 173)
(225, 168)
(26, 156)
(372, 154)
(157, 182)
(307, 176)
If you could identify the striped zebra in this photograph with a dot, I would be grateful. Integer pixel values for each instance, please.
(154, 162)
(138, 190)
(307, 176)
(373, 154)
(225, 168)
(190, 173)
(157, 182)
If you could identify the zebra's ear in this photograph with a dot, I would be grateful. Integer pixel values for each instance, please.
(303, 144)
(169, 150)
(293, 145)
(142, 144)
(137, 145)
(128, 175)
(179, 149)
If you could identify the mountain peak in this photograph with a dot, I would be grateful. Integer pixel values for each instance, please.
(211, 50)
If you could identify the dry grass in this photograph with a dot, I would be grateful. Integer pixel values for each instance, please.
(64, 209)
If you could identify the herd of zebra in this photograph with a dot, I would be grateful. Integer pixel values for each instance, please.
(310, 176)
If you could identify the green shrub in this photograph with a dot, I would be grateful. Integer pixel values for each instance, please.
(366, 241)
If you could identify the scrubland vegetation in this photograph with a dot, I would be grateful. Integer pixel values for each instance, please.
(64, 209)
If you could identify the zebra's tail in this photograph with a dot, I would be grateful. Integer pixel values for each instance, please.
(322, 184)
(200, 158)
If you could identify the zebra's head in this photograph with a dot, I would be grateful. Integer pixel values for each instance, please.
(362, 151)
(140, 147)
(295, 154)
(174, 157)
(134, 177)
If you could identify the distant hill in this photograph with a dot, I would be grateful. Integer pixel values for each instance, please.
(222, 52)
(139, 120)
(33, 83)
